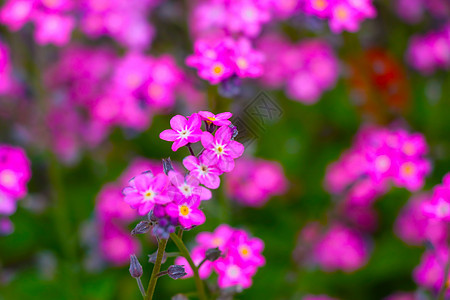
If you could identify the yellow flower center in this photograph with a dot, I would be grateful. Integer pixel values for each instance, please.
(154, 90)
(217, 69)
(320, 4)
(408, 168)
(184, 210)
(341, 13)
(148, 195)
(244, 251)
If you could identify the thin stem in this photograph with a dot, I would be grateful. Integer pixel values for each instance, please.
(152, 283)
(190, 149)
(441, 295)
(162, 273)
(201, 263)
(172, 254)
(185, 253)
(141, 287)
(180, 233)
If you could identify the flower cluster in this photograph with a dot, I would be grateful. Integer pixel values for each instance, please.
(414, 227)
(173, 198)
(219, 59)
(93, 90)
(412, 11)
(305, 69)
(254, 181)
(438, 206)
(341, 14)
(430, 273)
(317, 297)
(113, 216)
(54, 20)
(337, 248)
(241, 256)
(429, 52)
(123, 20)
(15, 172)
(379, 156)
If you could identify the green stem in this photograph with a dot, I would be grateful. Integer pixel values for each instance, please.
(185, 253)
(152, 283)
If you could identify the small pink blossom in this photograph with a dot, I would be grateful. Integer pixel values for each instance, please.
(15, 171)
(183, 131)
(188, 186)
(203, 170)
(145, 190)
(230, 273)
(53, 28)
(187, 211)
(221, 149)
(218, 120)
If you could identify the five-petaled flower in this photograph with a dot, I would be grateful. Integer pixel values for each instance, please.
(204, 170)
(221, 149)
(146, 190)
(186, 210)
(183, 131)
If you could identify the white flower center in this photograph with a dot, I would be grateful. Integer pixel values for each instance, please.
(186, 189)
(219, 149)
(8, 178)
(233, 272)
(184, 133)
(149, 195)
(203, 169)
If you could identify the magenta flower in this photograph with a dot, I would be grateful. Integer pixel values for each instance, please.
(187, 211)
(183, 131)
(197, 255)
(203, 170)
(221, 149)
(248, 251)
(188, 186)
(7, 204)
(248, 61)
(117, 244)
(15, 171)
(15, 13)
(213, 60)
(218, 120)
(230, 273)
(220, 238)
(53, 28)
(146, 190)
(431, 270)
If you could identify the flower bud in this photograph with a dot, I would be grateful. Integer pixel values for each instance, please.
(152, 257)
(135, 267)
(167, 165)
(234, 131)
(213, 254)
(141, 227)
(179, 297)
(176, 271)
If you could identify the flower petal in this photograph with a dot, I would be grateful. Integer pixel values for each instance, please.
(169, 135)
(236, 149)
(178, 122)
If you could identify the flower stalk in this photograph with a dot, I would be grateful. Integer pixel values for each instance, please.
(185, 253)
(156, 268)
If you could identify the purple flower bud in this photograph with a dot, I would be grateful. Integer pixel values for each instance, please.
(230, 87)
(151, 217)
(176, 271)
(234, 131)
(135, 267)
(179, 297)
(152, 257)
(167, 165)
(210, 127)
(213, 254)
(141, 227)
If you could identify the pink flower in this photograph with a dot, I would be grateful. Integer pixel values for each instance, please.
(187, 211)
(320, 8)
(53, 28)
(247, 16)
(203, 170)
(230, 273)
(248, 61)
(15, 171)
(116, 244)
(317, 297)
(430, 272)
(183, 131)
(15, 13)
(341, 248)
(188, 186)
(343, 17)
(7, 204)
(414, 227)
(248, 251)
(213, 60)
(146, 190)
(218, 120)
(221, 150)
(254, 181)
(220, 238)
(110, 205)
